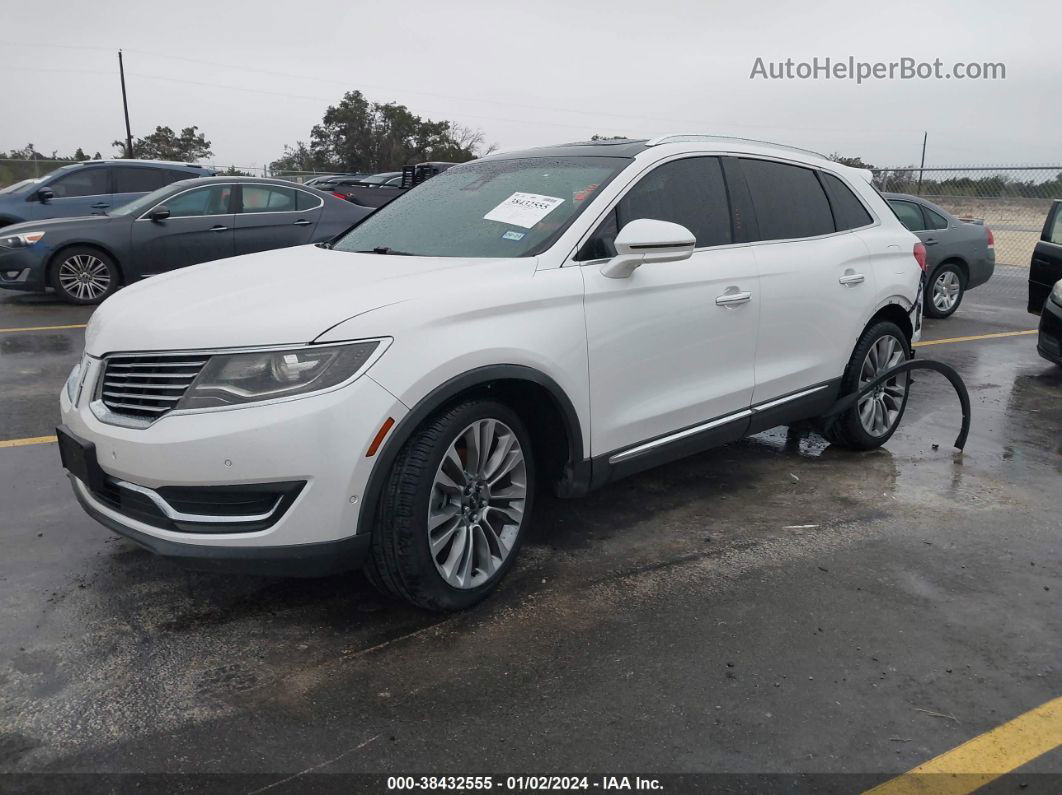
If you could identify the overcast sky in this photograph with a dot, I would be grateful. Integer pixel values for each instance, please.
(255, 76)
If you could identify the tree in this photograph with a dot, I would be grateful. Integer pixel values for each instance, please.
(164, 144)
(80, 154)
(232, 171)
(358, 135)
(596, 137)
(854, 162)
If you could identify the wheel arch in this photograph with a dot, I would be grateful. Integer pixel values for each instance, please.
(954, 259)
(539, 400)
(894, 312)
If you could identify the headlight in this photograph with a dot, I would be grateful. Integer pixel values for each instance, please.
(235, 379)
(1056, 294)
(72, 380)
(20, 240)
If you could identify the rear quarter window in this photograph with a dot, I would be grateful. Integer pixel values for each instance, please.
(848, 211)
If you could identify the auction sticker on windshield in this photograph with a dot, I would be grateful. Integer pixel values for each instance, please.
(523, 209)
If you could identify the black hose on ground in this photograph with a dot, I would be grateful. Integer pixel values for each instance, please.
(948, 372)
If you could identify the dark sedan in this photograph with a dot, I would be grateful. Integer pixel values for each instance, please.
(960, 255)
(86, 259)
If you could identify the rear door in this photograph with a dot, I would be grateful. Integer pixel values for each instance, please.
(82, 191)
(1046, 266)
(275, 216)
(816, 283)
(199, 229)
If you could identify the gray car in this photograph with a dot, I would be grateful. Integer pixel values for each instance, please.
(86, 259)
(88, 187)
(959, 255)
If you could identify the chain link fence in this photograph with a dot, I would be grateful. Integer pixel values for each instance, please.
(1012, 202)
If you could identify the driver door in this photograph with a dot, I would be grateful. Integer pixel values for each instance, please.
(672, 346)
(198, 229)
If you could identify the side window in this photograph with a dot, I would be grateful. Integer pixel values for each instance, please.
(140, 179)
(909, 214)
(213, 200)
(1054, 235)
(91, 181)
(934, 220)
(848, 211)
(306, 201)
(690, 192)
(789, 200)
(268, 199)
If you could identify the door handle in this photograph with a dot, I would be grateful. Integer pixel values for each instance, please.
(218, 228)
(100, 206)
(931, 242)
(302, 222)
(733, 299)
(850, 279)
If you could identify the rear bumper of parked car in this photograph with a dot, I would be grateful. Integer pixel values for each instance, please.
(1049, 342)
(24, 268)
(311, 451)
(981, 269)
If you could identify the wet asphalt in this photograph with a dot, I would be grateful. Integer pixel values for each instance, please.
(774, 606)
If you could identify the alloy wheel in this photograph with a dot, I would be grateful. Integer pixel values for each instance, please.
(879, 410)
(84, 277)
(946, 290)
(476, 505)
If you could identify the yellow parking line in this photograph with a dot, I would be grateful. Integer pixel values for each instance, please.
(984, 758)
(42, 328)
(999, 335)
(24, 442)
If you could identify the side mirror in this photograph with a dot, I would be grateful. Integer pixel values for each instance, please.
(45, 195)
(648, 240)
(160, 213)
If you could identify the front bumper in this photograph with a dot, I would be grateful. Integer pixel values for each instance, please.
(24, 268)
(1049, 342)
(319, 441)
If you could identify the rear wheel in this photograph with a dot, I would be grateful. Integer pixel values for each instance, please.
(875, 417)
(83, 275)
(455, 507)
(946, 288)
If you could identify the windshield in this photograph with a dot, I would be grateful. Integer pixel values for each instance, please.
(490, 208)
(18, 186)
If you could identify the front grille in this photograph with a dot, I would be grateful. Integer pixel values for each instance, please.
(148, 385)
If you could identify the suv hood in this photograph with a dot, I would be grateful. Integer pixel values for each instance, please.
(290, 295)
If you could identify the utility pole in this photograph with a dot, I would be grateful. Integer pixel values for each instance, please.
(125, 107)
(925, 138)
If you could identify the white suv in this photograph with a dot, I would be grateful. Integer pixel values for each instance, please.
(564, 316)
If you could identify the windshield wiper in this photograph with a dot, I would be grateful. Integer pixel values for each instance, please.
(385, 250)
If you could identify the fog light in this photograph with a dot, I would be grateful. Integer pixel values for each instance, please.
(11, 274)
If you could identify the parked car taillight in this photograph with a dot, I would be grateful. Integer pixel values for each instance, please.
(991, 238)
(339, 195)
(920, 255)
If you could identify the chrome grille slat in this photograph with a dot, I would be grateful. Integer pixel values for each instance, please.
(199, 363)
(147, 386)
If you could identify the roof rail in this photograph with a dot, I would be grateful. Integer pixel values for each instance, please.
(680, 138)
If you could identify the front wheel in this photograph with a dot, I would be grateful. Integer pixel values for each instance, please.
(945, 291)
(83, 275)
(453, 512)
(875, 417)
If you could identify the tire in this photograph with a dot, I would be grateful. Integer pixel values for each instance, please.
(854, 429)
(83, 275)
(945, 290)
(428, 481)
